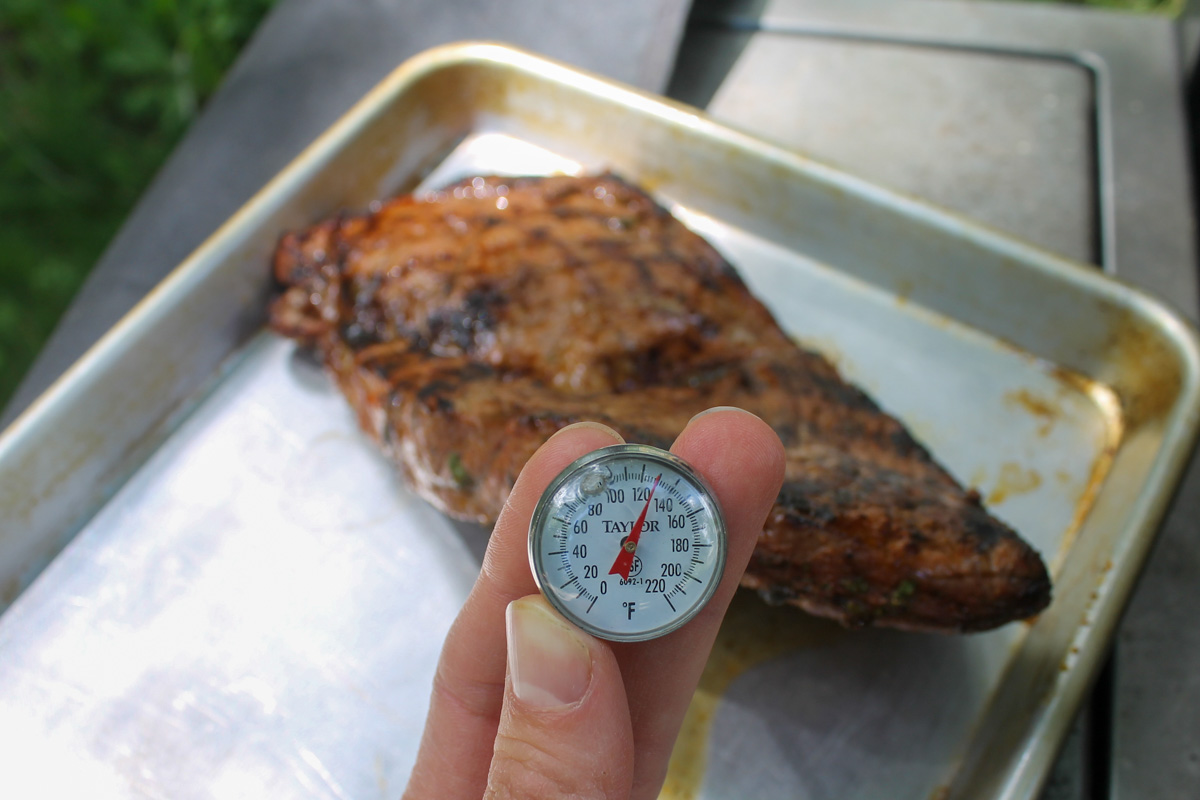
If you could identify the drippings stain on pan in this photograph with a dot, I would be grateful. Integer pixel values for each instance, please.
(1035, 405)
(1046, 411)
(1013, 480)
(1148, 380)
(1115, 425)
(751, 634)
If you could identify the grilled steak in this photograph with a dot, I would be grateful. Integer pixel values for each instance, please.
(467, 326)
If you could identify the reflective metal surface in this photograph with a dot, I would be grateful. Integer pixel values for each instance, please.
(256, 613)
(248, 579)
(972, 130)
(1022, 89)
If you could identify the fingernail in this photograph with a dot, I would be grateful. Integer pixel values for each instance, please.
(550, 664)
(715, 409)
(596, 426)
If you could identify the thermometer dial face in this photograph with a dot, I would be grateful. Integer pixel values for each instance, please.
(628, 543)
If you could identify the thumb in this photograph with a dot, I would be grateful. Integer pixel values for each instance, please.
(564, 730)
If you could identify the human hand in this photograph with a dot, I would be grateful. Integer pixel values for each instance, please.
(525, 704)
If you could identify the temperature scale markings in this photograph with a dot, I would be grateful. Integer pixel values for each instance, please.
(687, 505)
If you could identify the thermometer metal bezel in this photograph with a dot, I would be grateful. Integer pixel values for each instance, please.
(707, 496)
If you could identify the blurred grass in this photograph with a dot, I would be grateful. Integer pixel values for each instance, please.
(93, 96)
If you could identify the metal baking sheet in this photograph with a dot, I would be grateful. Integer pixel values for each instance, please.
(238, 610)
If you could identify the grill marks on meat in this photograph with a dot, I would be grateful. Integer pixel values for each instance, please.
(468, 326)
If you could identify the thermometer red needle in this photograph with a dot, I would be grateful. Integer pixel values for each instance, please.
(624, 560)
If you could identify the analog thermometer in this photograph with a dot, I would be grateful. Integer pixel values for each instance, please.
(628, 543)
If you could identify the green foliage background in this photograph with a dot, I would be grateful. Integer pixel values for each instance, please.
(93, 96)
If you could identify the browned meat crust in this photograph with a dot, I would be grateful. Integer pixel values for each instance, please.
(466, 327)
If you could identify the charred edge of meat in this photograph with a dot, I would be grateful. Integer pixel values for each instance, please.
(458, 329)
(909, 602)
(865, 589)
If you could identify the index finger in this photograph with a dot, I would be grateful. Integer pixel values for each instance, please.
(742, 459)
(468, 687)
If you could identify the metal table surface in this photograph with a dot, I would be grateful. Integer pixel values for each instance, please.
(1061, 125)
